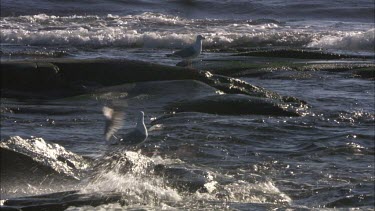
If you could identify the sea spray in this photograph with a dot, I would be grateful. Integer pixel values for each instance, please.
(131, 173)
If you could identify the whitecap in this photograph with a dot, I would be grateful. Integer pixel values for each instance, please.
(346, 41)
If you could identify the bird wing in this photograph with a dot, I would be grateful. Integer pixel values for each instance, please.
(114, 121)
(186, 52)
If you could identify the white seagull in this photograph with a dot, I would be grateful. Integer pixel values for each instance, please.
(115, 121)
(190, 52)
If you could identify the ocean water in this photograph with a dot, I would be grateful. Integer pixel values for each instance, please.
(322, 158)
(76, 29)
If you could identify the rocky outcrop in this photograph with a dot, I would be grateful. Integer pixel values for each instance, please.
(54, 79)
(34, 161)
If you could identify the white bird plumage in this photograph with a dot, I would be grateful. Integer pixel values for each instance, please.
(191, 51)
(115, 122)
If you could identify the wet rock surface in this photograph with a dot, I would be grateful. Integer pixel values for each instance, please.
(40, 157)
(235, 104)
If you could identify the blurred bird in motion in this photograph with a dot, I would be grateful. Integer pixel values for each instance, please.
(115, 121)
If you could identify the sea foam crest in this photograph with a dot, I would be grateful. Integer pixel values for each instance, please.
(346, 41)
(153, 30)
(243, 191)
(150, 30)
(130, 173)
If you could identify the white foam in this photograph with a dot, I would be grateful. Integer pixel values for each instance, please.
(139, 185)
(153, 30)
(346, 41)
(146, 30)
(140, 190)
(242, 191)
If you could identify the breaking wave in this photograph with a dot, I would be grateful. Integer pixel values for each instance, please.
(154, 30)
(346, 41)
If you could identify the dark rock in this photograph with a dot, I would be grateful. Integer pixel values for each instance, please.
(357, 200)
(29, 75)
(48, 163)
(62, 78)
(72, 77)
(235, 104)
(299, 54)
(63, 200)
(366, 73)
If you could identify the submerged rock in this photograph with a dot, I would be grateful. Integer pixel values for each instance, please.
(61, 200)
(236, 104)
(366, 73)
(299, 54)
(72, 77)
(184, 179)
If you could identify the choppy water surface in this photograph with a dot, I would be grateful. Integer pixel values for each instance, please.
(53, 29)
(325, 158)
(192, 160)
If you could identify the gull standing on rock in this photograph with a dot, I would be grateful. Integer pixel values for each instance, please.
(190, 52)
(115, 121)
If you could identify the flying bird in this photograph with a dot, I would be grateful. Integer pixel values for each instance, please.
(114, 122)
